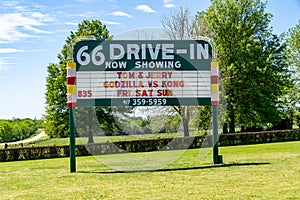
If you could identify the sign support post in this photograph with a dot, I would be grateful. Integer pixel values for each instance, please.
(215, 140)
(72, 141)
(72, 103)
(217, 159)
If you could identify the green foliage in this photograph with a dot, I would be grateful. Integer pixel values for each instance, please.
(293, 50)
(252, 62)
(202, 119)
(164, 123)
(152, 125)
(104, 120)
(57, 117)
(135, 125)
(109, 120)
(292, 99)
(172, 123)
(17, 129)
(5, 131)
(201, 25)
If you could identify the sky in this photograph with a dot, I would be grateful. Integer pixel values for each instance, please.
(33, 32)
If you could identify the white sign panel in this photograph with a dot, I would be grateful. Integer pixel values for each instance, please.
(143, 73)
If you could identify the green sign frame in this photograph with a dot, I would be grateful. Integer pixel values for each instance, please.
(139, 56)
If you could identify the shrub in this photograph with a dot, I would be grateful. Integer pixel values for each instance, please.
(14, 154)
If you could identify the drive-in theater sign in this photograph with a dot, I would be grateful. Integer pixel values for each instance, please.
(142, 73)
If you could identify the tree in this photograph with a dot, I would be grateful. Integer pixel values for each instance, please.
(202, 119)
(253, 65)
(86, 123)
(110, 118)
(178, 26)
(293, 46)
(56, 117)
(17, 129)
(293, 55)
(6, 130)
(182, 25)
(201, 26)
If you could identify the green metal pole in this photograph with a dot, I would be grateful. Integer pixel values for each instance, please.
(215, 137)
(72, 141)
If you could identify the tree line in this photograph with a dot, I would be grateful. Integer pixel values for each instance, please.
(259, 69)
(18, 129)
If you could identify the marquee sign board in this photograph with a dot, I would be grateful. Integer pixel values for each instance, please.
(143, 72)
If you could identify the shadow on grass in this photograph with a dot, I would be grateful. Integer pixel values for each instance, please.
(180, 169)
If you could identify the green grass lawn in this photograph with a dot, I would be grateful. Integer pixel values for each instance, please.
(264, 171)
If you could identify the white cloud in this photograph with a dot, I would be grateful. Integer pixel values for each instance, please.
(8, 3)
(41, 17)
(71, 23)
(168, 4)
(10, 50)
(3, 65)
(121, 14)
(111, 23)
(145, 8)
(14, 25)
(35, 30)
